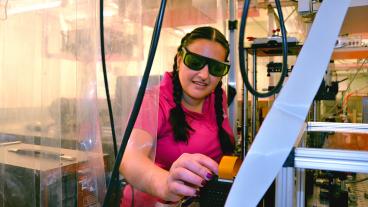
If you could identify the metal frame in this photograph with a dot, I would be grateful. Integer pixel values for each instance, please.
(337, 127)
(317, 159)
(328, 159)
(231, 78)
(285, 187)
(300, 187)
(307, 158)
(320, 159)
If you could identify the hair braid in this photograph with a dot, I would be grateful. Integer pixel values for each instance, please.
(177, 116)
(226, 145)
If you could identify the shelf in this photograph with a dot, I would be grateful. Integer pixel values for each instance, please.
(339, 53)
(350, 53)
(264, 50)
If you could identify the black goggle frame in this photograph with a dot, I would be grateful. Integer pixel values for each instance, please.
(213, 65)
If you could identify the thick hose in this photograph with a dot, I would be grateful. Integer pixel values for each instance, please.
(243, 71)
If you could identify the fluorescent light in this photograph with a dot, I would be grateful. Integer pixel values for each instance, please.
(110, 13)
(34, 7)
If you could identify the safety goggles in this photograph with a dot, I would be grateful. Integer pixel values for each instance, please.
(197, 62)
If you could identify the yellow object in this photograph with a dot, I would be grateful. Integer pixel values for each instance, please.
(229, 167)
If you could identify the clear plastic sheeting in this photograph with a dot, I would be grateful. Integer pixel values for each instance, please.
(55, 136)
(128, 33)
(50, 139)
(127, 42)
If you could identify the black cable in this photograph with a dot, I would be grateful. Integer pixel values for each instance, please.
(241, 52)
(137, 104)
(106, 81)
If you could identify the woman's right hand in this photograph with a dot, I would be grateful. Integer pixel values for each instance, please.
(189, 173)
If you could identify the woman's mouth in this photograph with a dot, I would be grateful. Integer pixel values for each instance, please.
(200, 83)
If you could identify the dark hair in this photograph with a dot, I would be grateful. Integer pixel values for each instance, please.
(177, 116)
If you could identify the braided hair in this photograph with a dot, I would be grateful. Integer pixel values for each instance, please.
(177, 116)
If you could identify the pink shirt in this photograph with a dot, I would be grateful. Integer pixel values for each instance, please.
(204, 137)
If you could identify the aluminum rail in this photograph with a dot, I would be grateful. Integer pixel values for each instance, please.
(337, 127)
(331, 159)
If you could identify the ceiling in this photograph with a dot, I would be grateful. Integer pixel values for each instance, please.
(355, 20)
(181, 13)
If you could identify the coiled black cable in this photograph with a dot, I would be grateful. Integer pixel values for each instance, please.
(106, 81)
(241, 52)
(114, 180)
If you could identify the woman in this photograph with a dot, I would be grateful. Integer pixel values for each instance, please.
(193, 128)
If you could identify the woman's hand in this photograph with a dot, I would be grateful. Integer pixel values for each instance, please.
(189, 173)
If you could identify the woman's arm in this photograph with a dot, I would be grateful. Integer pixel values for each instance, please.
(186, 175)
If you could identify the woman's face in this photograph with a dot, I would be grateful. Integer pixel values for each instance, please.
(199, 84)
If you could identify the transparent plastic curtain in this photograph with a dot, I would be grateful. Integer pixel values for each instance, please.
(90, 174)
(128, 29)
(51, 152)
(52, 94)
(22, 109)
(128, 33)
(126, 50)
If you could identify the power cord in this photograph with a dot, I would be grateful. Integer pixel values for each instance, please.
(106, 81)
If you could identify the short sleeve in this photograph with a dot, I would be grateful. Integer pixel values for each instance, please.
(147, 119)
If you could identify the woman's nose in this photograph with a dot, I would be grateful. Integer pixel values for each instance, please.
(204, 72)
